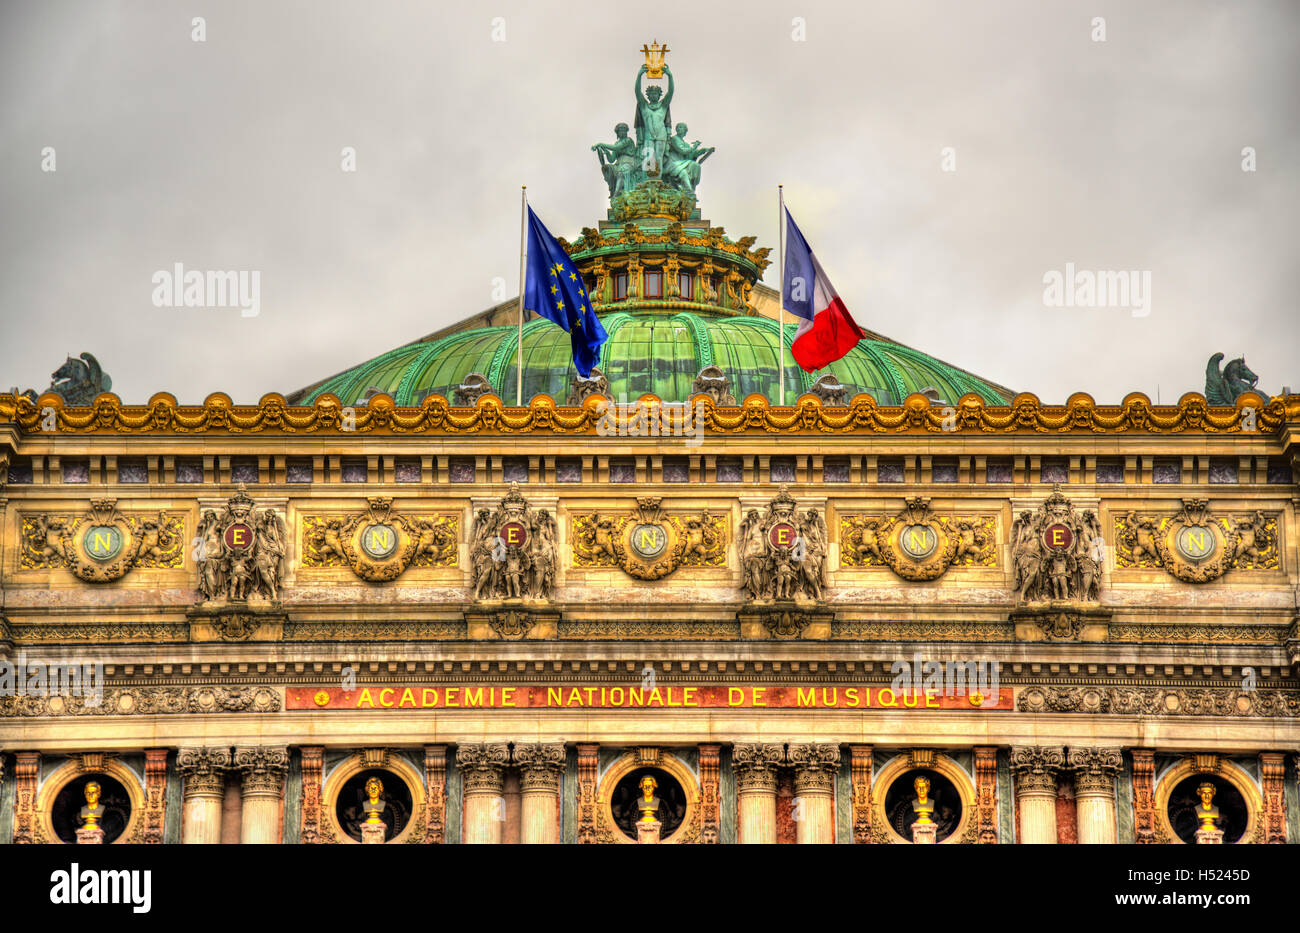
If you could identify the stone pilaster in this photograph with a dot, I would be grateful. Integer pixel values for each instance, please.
(155, 795)
(815, 767)
(540, 768)
(1035, 768)
(263, 769)
(313, 768)
(755, 768)
(482, 769)
(1144, 796)
(587, 793)
(710, 791)
(1271, 768)
(1094, 790)
(860, 775)
(435, 779)
(26, 766)
(986, 795)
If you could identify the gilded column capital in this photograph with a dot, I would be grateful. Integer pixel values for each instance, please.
(482, 767)
(540, 767)
(755, 767)
(263, 768)
(815, 766)
(1035, 768)
(1095, 770)
(204, 770)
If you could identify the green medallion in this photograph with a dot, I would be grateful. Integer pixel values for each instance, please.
(379, 541)
(1196, 542)
(918, 541)
(649, 541)
(102, 542)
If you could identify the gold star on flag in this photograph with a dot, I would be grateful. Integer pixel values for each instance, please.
(573, 276)
(555, 289)
(559, 306)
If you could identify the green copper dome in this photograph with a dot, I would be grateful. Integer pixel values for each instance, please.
(646, 353)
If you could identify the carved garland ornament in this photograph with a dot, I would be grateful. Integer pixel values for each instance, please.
(103, 544)
(917, 544)
(1161, 701)
(1025, 414)
(648, 544)
(148, 701)
(1195, 545)
(379, 544)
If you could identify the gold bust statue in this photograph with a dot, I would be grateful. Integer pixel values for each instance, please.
(373, 806)
(648, 803)
(923, 805)
(92, 812)
(1206, 811)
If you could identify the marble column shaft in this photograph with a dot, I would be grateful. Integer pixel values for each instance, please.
(263, 769)
(755, 769)
(203, 771)
(540, 768)
(482, 769)
(1035, 768)
(815, 768)
(1094, 790)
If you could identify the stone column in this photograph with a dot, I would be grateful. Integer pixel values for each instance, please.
(203, 771)
(1094, 792)
(815, 767)
(1034, 768)
(482, 769)
(755, 769)
(263, 768)
(540, 768)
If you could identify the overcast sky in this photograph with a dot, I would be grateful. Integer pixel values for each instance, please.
(226, 154)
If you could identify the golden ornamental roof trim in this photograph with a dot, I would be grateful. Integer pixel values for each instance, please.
(755, 415)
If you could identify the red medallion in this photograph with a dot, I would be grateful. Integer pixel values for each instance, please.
(783, 535)
(514, 534)
(1058, 537)
(239, 537)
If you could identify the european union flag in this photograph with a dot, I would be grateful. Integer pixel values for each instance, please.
(553, 288)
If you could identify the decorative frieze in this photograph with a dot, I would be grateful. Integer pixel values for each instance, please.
(1160, 701)
(148, 701)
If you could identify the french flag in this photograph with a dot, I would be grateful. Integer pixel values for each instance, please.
(826, 330)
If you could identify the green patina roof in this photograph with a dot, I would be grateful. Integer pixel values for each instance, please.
(645, 353)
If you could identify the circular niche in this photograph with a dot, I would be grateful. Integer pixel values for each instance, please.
(350, 815)
(901, 793)
(1234, 813)
(627, 791)
(66, 809)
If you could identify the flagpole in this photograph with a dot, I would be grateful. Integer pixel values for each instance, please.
(523, 240)
(780, 285)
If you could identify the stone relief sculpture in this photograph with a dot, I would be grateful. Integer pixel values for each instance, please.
(379, 543)
(1195, 545)
(783, 553)
(583, 387)
(102, 544)
(1057, 552)
(513, 551)
(474, 387)
(830, 390)
(917, 544)
(241, 552)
